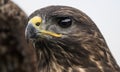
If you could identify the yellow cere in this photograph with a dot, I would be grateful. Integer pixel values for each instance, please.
(51, 33)
(35, 20)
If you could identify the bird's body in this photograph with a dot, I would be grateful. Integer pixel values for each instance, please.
(67, 40)
(15, 54)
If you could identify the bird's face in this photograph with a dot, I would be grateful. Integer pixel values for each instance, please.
(66, 37)
(58, 32)
(55, 27)
(58, 23)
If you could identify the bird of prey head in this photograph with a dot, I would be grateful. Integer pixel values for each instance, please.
(67, 40)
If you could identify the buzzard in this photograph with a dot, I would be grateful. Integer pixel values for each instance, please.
(67, 40)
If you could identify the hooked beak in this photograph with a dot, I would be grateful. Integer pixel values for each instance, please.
(34, 31)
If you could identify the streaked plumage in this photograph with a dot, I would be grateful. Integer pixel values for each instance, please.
(67, 40)
(15, 54)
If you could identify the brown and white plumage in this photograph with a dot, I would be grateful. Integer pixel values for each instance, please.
(15, 54)
(67, 40)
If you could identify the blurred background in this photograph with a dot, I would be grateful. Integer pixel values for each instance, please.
(105, 13)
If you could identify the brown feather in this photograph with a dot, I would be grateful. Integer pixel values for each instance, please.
(82, 49)
(15, 54)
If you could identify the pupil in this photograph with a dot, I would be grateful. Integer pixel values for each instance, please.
(65, 22)
(38, 23)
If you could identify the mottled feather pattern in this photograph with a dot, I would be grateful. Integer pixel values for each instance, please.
(81, 49)
(15, 54)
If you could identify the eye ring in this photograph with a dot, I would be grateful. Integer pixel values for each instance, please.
(65, 22)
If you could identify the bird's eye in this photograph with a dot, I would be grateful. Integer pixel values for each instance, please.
(65, 22)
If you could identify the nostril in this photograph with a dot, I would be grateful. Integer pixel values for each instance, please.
(38, 23)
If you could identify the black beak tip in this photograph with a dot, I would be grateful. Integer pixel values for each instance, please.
(30, 32)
